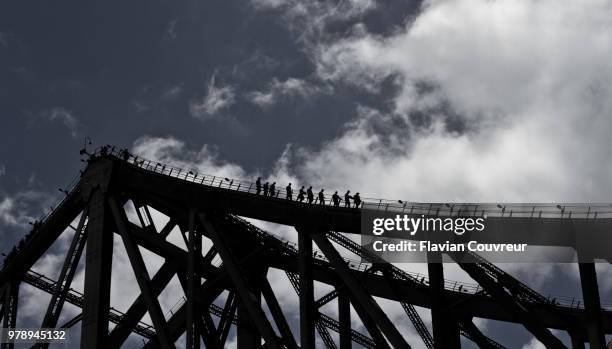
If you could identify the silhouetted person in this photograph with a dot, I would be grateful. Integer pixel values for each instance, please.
(265, 188)
(301, 194)
(310, 195)
(289, 192)
(258, 186)
(273, 189)
(357, 200)
(347, 199)
(336, 199)
(124, 154)
(321, 197)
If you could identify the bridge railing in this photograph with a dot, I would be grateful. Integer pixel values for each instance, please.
(510, 210)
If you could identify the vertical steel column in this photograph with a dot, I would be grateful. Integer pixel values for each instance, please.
(246, 333)
(307, 321)
(344, 317)
(577, 341)
(11, 299)
(193, 283)
(592, 305)
(445, 329)
(98, 267)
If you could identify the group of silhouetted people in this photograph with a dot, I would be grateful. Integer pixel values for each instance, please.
(19, 246)
(308, 195)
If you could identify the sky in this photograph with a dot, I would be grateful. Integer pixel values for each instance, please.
(440, 100)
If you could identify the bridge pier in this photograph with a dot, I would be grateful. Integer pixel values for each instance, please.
(592, 305)
(344, 317)
(307, 305)
(445, 329)
(98, 268)
(9, 308)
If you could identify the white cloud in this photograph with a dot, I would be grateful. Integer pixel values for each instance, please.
(23, 207)
(173, 92)
(174, 152)
(533, 344)
(171, 29)
(292, 87)
(215, 100)
(308, 20)
(64, 116)
(528, 81)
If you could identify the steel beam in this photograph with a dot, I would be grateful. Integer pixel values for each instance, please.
(64, 281)
(475, 335)
(527, 318)
(194, 249)
(306, 284)
(68, 324)
(142, 276)
(249, 298)
(592, 305)
(98, 268)
(371, 326)
(344, 318)
(359, 294)
(277, 314)
(225, 321)
(11, 300)
(445, 330)
(137, 310)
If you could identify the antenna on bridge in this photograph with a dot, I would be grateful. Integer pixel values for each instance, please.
(87, 141)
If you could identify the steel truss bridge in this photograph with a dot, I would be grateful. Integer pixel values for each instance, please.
(241, 255)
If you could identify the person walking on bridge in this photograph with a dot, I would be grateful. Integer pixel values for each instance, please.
(289, 192)
(336, 199)
(273, 189)
(321, 197)
(301, 194)
(310, 195)
(258, 186)
(357, 200)
(347, 199)
(265, 188)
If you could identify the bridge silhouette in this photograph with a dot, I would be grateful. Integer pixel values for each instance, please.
(213, 207)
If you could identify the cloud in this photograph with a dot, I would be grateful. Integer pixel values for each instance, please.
(533, 344)
(139, 106)
(525, 81)
(292, 87)
(171, 29)
(215, 100)
(23, 207)
(308, 20)
(174, 152)
(173, 92)
(2, 170)
(64, 116)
